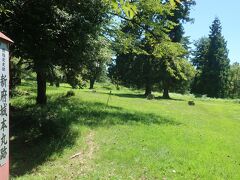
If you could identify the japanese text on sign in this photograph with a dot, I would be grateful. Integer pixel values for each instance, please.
(4, 104)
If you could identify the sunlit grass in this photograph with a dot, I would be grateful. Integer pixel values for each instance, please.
(134, 138)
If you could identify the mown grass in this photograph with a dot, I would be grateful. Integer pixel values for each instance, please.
(134, 138)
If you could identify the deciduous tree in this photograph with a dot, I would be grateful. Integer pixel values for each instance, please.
(51, 33)
(234, 81)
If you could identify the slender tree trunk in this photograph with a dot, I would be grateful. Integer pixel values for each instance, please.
(166, 91)
(117, 87)
(147, 80)
(148, 90)
(41, 88)
(92, 81)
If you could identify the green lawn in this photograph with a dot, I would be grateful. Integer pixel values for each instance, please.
(131, 138)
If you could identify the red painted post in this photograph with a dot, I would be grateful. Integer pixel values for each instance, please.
(4, 106)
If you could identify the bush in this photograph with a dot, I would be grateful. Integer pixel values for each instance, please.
(191, 103)
(70, 94)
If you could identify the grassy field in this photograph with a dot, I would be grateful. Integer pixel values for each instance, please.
(80, 137)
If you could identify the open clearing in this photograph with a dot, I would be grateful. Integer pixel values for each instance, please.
(131, 138)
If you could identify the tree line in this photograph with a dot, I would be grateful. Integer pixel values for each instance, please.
(139, 44)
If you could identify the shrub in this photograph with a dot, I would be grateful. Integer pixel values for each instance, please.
(70, 94)
(191, 103)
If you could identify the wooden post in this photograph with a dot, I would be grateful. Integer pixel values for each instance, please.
(4, 106)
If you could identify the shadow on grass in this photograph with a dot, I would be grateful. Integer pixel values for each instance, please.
(170, 99)
(141, 96)
(125, 95)
(39, 132)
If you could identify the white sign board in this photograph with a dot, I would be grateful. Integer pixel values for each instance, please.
(4, 104)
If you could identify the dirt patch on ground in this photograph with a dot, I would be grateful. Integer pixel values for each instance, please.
(80, 162)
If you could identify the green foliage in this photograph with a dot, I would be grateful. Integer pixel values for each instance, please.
(176, 76)
(199, 60)
(126, 7)
(3, 9)
(55, 75)
(98, 55)
(51, 33)
(211, 59)
(234, 81)
(183, 83)
(181, 15)
(15, 72)
(147, 52)
(70, 94)
(150, 23)
(200, 53)
(20, 69)
(74, 79)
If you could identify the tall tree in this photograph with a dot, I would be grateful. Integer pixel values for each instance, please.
(142, 35)
(99, 54)
(51, 33)
(152, 51)
(199, 60)
(175, 71)
(181, 15)
(214, 64)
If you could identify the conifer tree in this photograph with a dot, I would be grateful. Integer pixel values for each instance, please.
(214, 64)
(217, 69)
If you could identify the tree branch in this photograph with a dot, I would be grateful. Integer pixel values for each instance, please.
(138, 24)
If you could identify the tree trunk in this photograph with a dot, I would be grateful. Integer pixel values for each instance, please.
(166, 91)
(92, 81)
(41, 88)
(148, 90)
(57, 84)
(117, 87)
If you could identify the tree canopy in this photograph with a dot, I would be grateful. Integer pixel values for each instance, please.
(152, 42)
(141, 43)
(49, 33)
(211, 59)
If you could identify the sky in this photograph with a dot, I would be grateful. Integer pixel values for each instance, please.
(228, 11)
